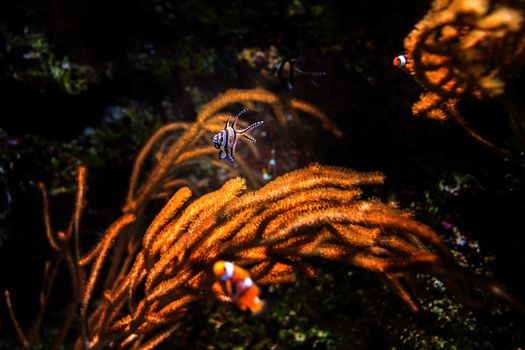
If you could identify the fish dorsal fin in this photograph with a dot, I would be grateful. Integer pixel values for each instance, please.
(239, 114)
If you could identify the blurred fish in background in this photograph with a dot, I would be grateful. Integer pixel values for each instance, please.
(285, 71)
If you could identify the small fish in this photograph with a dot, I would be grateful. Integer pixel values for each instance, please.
(400, 62)
(286, 70)
(240, 287)
(226, 139)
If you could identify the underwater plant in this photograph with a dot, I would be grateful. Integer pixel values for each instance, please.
(156, 268)
(167, 147)
(37, 63)
(468, 49)
(160, 167)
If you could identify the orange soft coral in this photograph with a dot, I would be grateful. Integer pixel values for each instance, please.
(466, 49)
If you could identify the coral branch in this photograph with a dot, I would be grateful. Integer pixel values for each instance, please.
(467, 49)
(23, 337)
(313, 212)
(156, 271)
(172, 154)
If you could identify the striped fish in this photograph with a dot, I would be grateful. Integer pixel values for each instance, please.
(286, 70)
(401, 62)
(240, 287)
(226, 139)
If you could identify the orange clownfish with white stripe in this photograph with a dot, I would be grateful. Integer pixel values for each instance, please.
(401, 62)
(239, 286)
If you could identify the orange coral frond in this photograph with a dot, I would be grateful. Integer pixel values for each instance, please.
(318, 114)
(313, 212)
(18, 328)
(160, 337)
(109, 237)
(397, 287)
(156, 271)
(165, 215)
(303, 179)
(146, 149)
(279, 273)
(464, 49)
(47, 218)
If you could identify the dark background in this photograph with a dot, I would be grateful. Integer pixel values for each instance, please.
(87, 81)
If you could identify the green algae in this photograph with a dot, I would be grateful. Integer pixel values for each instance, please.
(41, 67)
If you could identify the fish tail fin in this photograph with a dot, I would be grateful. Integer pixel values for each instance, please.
(258, 307)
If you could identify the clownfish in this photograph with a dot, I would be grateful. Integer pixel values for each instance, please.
(400, 62)
(226, 139)
(239, 286)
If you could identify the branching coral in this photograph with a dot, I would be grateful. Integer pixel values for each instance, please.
(314, 212)
(155, 175)
(273, 232)
(67, 245)
(156, 271)
(466, 49)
